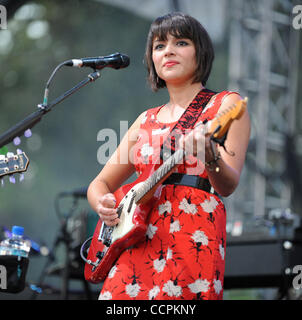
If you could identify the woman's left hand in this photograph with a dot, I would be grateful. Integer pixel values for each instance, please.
(199, 144)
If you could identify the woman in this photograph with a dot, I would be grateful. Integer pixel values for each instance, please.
(183, 254)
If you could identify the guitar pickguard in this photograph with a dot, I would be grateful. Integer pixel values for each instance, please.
(126, 216)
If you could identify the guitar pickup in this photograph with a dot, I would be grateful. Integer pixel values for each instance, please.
(131, 201)
(105, 234)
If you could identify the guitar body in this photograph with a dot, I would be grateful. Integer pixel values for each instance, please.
(131, 230)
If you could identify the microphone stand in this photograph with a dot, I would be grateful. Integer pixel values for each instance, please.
(31, 120)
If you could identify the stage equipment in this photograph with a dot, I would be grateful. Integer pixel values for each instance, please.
(259, 259)
(75, 226)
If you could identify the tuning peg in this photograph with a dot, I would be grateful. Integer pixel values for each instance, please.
(2, 182)
(2, 157)
(19, 151)
(27, 133)
(12, 179)
(17, 141)
(10, 155)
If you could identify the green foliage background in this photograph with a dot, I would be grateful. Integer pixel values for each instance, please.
(65, 143)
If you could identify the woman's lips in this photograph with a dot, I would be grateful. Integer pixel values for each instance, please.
(170, 64)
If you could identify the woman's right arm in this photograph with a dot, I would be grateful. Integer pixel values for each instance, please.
(115, 172)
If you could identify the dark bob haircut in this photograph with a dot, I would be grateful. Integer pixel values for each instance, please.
(180, 25)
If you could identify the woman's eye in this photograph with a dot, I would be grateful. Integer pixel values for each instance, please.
(182, 43)
(158, 46)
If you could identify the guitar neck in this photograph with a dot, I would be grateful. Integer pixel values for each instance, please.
(162, 172)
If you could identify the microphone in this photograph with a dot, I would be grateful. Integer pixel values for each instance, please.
(115, 61)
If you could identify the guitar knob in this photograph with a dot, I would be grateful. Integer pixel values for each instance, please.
(17, 141)
(100, 255)
(27, 133)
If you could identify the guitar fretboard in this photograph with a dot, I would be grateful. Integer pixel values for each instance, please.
(157, 175)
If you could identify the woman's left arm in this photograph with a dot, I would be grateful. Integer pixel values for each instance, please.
(224, 173)
(226, 178)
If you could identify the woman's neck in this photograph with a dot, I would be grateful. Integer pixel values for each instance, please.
(181, 96)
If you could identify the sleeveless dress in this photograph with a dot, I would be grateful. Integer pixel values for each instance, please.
(183, 255)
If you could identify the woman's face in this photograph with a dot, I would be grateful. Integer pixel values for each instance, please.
(174, 59)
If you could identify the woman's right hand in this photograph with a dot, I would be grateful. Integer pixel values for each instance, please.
(106, 211)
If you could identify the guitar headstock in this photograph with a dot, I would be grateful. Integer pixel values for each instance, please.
(222, 121)
(13, 163)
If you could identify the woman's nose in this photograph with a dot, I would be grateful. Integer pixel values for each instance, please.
(169, 50)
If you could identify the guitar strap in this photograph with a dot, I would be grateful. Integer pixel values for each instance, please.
(186, 121)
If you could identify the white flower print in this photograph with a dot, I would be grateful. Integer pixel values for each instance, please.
(112, 272)
(151, 231)
(146, 150)
(175, 226)
(200, 237)
(105, 296)
(153, 292)
(159, 264)
(217, 286)
(209, 205)
(132, 290)
(221, 251)
(187, 207)
(171, 289)
(164, 207)
(169, 254)
(200, 285)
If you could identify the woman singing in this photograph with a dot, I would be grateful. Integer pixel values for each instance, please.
(183, 255)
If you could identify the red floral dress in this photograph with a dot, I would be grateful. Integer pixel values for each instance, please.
(183, 255)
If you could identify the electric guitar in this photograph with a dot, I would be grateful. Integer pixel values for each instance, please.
(135, 200)
(13, 163)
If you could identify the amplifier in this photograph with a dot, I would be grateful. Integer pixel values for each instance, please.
(259, 263)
